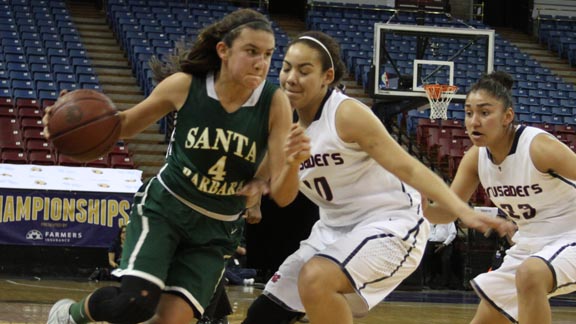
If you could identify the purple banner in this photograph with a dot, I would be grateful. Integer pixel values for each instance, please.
(62, 218)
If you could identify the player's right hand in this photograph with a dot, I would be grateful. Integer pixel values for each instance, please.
(486, 224)
(48, 114)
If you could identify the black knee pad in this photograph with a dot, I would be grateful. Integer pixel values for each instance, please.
(266, 311)
(134, 302)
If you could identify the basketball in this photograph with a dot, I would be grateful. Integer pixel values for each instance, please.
(84, 125)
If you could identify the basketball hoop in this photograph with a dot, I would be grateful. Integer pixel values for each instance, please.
(439, 97)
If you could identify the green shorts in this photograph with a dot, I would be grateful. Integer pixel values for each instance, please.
(175, 247)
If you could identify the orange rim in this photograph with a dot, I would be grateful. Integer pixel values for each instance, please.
(434, 91)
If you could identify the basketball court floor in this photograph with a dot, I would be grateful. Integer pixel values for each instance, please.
(29, 300)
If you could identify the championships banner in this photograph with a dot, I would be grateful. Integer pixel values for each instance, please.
(64, 206)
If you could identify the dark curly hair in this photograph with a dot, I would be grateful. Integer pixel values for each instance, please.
(498, 84)
(202, 57)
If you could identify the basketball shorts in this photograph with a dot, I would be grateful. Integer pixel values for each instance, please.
(498, 287)
(375, 260)
(175, 247)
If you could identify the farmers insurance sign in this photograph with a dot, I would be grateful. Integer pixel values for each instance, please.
(64, 206)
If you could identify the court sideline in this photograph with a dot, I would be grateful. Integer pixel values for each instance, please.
(28, 301)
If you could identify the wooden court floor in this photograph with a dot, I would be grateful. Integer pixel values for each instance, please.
(29, 300)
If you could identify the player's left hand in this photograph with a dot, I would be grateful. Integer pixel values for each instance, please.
(253, 215)
(253, 190)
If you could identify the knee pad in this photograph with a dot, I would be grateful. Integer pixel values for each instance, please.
(134, 302)
(265, 310)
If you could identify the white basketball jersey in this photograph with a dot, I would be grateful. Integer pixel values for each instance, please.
(541, 204)
(344, 181)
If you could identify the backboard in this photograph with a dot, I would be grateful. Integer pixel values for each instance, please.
(430, 5)
(408, 56)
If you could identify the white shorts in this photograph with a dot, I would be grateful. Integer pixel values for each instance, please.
(374, 259)
(498, 287)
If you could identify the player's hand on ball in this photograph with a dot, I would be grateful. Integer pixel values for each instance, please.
(297, 146)
(48, 113)
(83, 124)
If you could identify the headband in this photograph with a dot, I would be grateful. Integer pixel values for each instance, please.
(321, 45)
(248, 22)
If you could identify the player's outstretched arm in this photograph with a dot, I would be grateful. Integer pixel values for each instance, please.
(356, 124)
(167, 96)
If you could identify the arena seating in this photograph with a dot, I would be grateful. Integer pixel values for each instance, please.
(135, 24)
(40, 54)
(542, 99)
(558, 33)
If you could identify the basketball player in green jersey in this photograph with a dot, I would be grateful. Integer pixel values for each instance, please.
(186, 220)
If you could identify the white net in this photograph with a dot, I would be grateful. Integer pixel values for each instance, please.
(439, 97)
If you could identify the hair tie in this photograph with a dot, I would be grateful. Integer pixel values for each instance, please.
(321, 45)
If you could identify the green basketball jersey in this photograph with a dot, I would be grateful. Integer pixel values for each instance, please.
(212, 152)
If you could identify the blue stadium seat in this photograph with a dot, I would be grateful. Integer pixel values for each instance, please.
(85, 79)
(32, 43)
(34, 50)
(47, 96)
(53, 44)
(67, 85)
(78, 62)
(62, 68)
(15, 58)
(537, 93)
(47, 85)
(558, 94)
(84, 69)
(19, 75)
(570, 120)
(23, 93)
(22, 85)
(65, 77)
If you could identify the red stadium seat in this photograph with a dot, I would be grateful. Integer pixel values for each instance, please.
(442, 152)
(455, 156)
(66, 161)
(101, 162)
(459, 133)
(35, 144)
(120, 149)
(452, 123)
(28, 103)
(432, 139)
(41, 158)
(564, 129)
(8, 112)
(47, 102)
(422, 130)
(13, 157)
(33, 112)
(11, 141)
(121, 162)
(33, 133)
(31, 122)
(9, 124)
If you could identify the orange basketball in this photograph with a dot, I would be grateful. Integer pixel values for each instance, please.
(84, 125)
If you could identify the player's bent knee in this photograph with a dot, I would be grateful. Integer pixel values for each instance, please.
(134, 302)
(312, 274)
(533, 275)
(264, 310)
